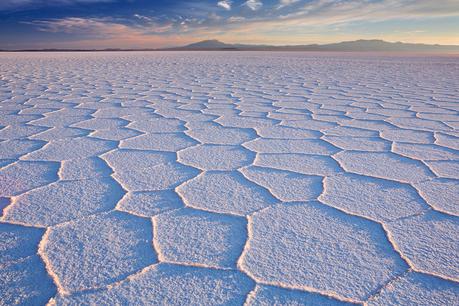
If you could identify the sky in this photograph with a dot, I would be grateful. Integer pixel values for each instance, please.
(31, 24)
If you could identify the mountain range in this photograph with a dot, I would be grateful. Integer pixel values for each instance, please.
(373, 45)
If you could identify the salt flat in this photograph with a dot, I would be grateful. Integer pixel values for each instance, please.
(229, 178)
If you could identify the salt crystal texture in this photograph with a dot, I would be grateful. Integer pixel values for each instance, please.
(224, 178)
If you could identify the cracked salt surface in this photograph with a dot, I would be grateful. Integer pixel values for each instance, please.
(213, 178)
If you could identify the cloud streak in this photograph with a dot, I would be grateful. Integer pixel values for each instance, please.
(254, 5)
(285, 3)
(225, 4)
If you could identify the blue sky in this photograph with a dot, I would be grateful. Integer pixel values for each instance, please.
(144, 23)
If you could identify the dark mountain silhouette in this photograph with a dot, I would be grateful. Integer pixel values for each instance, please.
(373, 45)
(209, 44)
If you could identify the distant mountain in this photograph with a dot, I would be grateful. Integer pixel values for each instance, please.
(373, 45)
(381, 45)
(208, 44)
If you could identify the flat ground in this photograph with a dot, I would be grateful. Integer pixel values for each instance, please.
(229, 178)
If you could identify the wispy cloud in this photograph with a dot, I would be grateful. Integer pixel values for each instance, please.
(101, 27)
(254, 5)
(141, 17)
(226, 4)
(150, 24)
(236, 19)
(107, 33)
(285, 3)
(330, 12)
(92, 27)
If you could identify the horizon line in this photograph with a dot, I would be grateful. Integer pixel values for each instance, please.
(234, 46)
